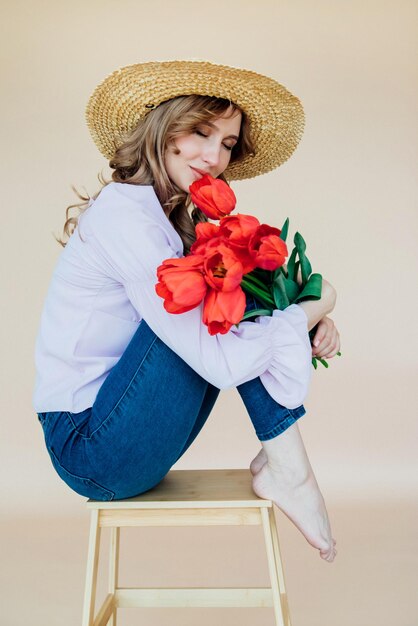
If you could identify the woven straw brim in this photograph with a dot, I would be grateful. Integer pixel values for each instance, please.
(122, 99)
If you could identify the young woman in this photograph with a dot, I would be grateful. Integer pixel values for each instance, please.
(124, 387)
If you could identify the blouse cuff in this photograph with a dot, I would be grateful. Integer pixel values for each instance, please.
(287, 378)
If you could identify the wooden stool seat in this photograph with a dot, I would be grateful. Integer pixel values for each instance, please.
(185, 498)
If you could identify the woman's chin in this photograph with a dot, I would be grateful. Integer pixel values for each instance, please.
(187, 185)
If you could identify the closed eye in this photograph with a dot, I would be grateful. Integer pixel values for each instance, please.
(199, 132)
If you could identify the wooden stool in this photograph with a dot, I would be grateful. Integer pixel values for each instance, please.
(185, 498)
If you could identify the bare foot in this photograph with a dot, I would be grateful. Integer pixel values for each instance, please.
(258, 462)
(288, 480)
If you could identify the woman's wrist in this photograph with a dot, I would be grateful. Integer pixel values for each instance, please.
(315, 310)
(329, 295)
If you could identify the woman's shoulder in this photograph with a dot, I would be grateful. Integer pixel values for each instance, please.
(129, 211)
(125, 195)
(120, 204)
(138, 193)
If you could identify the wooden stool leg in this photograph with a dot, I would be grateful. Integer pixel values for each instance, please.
(279, 567)
(91, 574)
(271, 560)
(114, 567)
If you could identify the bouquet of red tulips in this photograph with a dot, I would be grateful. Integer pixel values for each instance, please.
(236, 257)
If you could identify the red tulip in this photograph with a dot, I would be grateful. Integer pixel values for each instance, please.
(181, 283)
(269, 250)
(222, 309)
(205, 231)
(238, 230)
(213, 196)
(223, 270)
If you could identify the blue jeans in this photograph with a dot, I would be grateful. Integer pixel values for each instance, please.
(147, 413)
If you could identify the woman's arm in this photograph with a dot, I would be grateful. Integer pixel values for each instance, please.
(316, 310)
(326, 342)
(130, 243)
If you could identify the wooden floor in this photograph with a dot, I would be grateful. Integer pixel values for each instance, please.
(372, 583)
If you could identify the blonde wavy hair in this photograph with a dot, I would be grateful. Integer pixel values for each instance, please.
(140, 159)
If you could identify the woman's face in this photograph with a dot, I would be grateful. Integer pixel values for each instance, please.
(207, 149)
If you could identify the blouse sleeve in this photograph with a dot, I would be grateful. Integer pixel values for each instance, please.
(275, 348)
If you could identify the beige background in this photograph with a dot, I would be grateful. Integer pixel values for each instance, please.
(349, 189)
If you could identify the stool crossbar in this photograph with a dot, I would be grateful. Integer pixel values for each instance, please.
(185, 498)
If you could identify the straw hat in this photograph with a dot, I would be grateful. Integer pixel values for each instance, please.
(122, 99)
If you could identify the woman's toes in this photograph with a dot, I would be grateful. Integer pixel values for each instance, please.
(328, 555)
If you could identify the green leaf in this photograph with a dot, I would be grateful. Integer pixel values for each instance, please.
(299, 242)
(296, 272)
(256, 312)
(291, 265)
(305, 265)
(324, 363)
(284, 230)
(280, 271)
(312, 290)
(292, 289)
(279, 293)
(314, 363)
(279, 298)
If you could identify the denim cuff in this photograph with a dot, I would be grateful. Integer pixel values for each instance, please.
(292, 417)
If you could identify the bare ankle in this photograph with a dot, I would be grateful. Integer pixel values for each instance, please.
(286, 455)
(293, 476)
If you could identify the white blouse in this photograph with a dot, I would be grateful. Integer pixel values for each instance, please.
(103, 286)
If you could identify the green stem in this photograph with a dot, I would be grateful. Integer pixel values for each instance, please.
(261, 295)
(255, 280)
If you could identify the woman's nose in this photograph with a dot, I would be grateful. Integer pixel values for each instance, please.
(211, 154)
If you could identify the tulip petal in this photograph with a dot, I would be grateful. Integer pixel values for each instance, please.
(181, 283)
(213, 196)
(223, 309)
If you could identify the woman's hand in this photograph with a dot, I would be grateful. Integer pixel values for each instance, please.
(326, 342)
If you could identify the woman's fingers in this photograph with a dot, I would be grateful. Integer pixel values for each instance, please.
(329, 339)
(335, 349)
(330, 349)
(319, 339)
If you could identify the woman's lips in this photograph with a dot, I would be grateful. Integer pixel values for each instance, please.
(198, 173)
